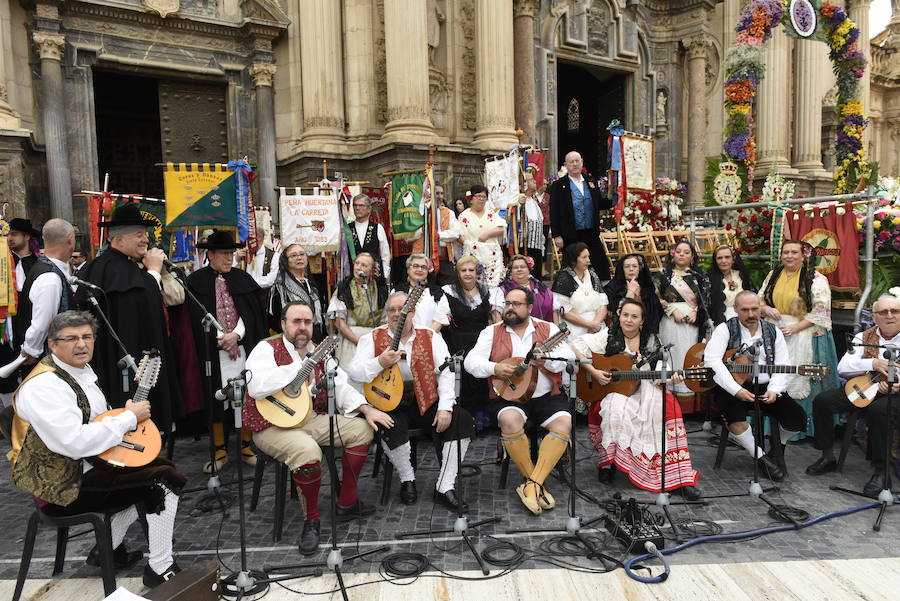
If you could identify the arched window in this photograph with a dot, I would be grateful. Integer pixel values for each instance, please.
(573, 115)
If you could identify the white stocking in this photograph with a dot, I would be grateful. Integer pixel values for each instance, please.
(119, 523)
(400, 458)
(746, 440)
(160, 528)
(449, 467)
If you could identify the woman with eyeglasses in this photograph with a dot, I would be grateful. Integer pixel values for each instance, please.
(797, 298)
(357, 306)
(581, 297)
(481, 231)
(292, 284)
(546, 305)
(417, 268)
(727, 277)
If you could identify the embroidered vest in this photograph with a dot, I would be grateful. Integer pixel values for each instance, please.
(36, 469)
(768, 336)
(421, 364)
(369, 243)
(502, 349)
(870, 336)
(255, 422)
(582, 205)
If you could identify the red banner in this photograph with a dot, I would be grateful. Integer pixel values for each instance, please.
(834, 241)
(534, 159)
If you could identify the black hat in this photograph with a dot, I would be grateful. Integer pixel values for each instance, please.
(220, 240)
(127, 214)
(23, 225)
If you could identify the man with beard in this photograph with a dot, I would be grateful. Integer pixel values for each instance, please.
(274, 363)
(232, 297)
(428, 399)
(135, 283)
(23, 242)
(734, 399)
(515, 336)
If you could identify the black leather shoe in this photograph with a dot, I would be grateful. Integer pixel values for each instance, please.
(875, 485)
(451, 501)
(769, 468)
(152, 579)
(605, 474)
(822, 466)
(689, 493)
(309, 538)
(357, 510)
(122, 557)
(408, 494)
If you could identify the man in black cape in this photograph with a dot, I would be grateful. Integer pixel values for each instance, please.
(132, 278)
(232, 297)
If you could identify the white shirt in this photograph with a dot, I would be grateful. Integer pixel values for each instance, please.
(578, 183)
(383, 248)
(426, 310)
(852, 363)
(365, 365)
(49, 405)
(478, 361)
(451, 234)
(718, 344)
(267, 377)
(257, 265)
(44, 296)
(20, 274)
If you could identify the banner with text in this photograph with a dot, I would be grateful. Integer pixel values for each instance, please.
(313, 221)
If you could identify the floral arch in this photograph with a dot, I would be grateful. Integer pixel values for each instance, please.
(745, 68)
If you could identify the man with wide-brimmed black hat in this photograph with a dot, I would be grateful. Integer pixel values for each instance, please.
(24, 251)
(232, 297)
(132, 278)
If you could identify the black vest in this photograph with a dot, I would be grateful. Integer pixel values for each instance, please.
(369, 244)
(22, 319)
(768, 337)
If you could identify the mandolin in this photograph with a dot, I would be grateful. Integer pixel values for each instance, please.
(291, 406)
(861, 390)
(521, 385)
(143, 444)
(625, 379)
(386, 391)
(740, 367)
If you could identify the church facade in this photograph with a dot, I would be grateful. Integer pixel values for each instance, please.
(89, 87)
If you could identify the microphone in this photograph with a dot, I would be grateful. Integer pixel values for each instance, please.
(222, 393)
(851, 348)
(445, 364)
(753, 349)
(73, 281)
(891, 352)
(362, 276)
(654, 355)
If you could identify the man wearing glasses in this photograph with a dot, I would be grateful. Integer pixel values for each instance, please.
(886, 313)
(417, 274)
(53, 432)
(515, 336)
(370, 237)
(78, 259)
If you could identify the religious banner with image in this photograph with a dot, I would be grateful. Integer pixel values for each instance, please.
(407, 212)
(638, 153)
(831, 231)
(502, 177)
(313, 221)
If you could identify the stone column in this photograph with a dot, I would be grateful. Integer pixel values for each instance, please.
(323, 79)
(406, 55)
(359, 50)
(772, 123)
(859, 14)
(523, 25)
(807, 134)
(8, 117)
(895, 135)
(495, 115)
(262, 74)
(50, 47)
(697, 48)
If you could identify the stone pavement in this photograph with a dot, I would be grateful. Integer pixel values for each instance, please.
(198, 534)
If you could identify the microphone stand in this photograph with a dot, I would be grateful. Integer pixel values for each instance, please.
(461, 525)
(214, 484)
(127, 361)
(335, 559)
(885, 497)
(662, 499)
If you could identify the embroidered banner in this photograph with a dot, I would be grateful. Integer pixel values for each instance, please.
(200, 195)
(833, 235)
(407, 212)
(502, 177)
(313, 221)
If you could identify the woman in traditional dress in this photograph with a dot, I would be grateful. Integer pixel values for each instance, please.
(797, 299)
(531, 224)
(579, 293)
(626, 431)
(727, 277)
(546, 305)
(480, 232)
(684, 293)
(462, 313)
(292, 284)
(357, 306)
(417, 267)
(633, 280)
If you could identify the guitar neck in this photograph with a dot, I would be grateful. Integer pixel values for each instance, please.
(141, 394)
(303, 375)
(395, 343)
(763, 369)
(642, 375)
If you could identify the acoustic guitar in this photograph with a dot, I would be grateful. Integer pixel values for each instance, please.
(740, 366)
(861, 390)
(386, 391)
(520, 386)
(142, 445)
(291, 406)
(625, 379)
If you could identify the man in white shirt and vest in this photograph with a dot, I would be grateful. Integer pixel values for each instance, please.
(369, 237)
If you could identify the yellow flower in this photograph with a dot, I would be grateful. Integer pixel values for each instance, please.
(876, 224)
(851, 107)
(743, 109)
(896, 220)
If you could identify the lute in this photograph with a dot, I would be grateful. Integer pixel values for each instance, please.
(861, 390)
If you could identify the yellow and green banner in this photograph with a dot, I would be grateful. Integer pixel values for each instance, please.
(407, 213)
(200, 195)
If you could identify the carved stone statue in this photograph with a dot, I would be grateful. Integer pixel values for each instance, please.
(435, 18)
(661, 100)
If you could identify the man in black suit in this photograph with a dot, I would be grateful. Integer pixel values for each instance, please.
(575, 204)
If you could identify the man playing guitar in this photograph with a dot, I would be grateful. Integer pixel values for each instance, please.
(733, 399)
(428, 399)
(886, 313)
(53, 432)
(273, 364)
(516, 336)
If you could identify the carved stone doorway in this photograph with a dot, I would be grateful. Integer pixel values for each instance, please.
(587, 100)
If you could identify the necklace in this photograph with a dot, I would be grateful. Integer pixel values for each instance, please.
(631, 337)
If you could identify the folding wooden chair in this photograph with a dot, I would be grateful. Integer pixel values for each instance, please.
(642, 243)
(612, 248)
